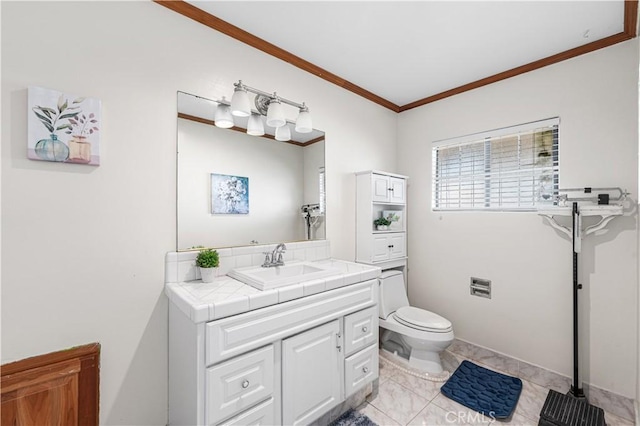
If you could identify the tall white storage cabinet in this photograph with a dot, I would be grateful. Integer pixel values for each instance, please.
(381, 194)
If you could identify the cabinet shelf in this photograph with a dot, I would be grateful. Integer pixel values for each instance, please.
(392, 231)
(387, 203)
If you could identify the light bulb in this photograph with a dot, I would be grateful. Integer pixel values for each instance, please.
(275, 114)
(240, 106)
(223, 117)
(283, 133)
(255, 126)
(303, 123)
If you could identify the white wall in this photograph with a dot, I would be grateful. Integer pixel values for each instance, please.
(83, 247)
(529, 315)
(276, 185)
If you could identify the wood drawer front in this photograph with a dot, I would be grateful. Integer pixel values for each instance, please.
(241, 333)
(360, 369)
(260, 415)
(236, 385)
(360, 330)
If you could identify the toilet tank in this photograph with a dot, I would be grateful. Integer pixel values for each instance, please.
(393, 295)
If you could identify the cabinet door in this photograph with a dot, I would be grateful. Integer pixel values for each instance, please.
(45, 395)
(381, 248)
(311, 374)
(397, 190)
(379, 188)
(398, 245)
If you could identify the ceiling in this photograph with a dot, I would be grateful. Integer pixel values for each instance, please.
(406, 53)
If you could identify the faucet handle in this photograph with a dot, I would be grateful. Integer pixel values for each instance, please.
(267, 258)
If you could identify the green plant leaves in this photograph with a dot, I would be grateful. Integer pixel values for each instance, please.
(50, 116)
(42, 117)
(207, 258)
(73, 114)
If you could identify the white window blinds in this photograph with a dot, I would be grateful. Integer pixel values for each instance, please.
(514, 168)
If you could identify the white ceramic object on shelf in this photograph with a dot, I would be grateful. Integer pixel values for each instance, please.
(208, 274)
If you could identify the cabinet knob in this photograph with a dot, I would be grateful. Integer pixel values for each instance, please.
(365, 370)
(364, 329)
(245, 384)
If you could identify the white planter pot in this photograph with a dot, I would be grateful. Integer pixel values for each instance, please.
(208, 274)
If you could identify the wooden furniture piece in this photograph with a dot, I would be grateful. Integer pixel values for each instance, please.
(60, 388)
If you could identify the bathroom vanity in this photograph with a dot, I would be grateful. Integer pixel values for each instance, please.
(288, 355)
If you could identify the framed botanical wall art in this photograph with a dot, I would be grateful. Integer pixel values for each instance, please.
(229, 194)
(63, 127)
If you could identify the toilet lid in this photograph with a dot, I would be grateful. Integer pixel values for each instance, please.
(422, 319)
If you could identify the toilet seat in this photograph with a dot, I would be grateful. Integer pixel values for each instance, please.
(422, 320)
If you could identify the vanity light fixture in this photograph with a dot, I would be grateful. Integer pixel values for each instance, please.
(275, 114)
(303, 123)
(283, 133)
(255, 126)
(240, 105)
(223, 117)
(267, 104)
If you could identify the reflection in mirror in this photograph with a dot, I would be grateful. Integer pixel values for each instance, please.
(236, 190)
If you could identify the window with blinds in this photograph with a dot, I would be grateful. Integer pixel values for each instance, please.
(321, 190)
(514, 168)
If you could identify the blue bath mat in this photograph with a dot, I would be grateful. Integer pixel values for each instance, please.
(353, 418)
(485, 391)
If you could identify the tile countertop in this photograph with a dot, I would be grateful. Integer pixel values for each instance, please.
(226, 296)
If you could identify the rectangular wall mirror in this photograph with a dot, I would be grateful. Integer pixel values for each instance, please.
(234, 189)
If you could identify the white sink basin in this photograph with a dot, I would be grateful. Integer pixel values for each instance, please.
(278, 276)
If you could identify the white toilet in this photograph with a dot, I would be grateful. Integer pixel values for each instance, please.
(413, 333)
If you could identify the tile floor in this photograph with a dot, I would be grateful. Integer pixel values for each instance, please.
(404, 399)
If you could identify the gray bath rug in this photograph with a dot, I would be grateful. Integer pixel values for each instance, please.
(353, 418)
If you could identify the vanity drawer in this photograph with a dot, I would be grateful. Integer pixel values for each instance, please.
(360, 369)
(360, 329)
(236, 385)
(261, 414)
(235, 335)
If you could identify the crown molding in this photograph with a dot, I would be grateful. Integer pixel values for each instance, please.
(239, 34)
(192, 12)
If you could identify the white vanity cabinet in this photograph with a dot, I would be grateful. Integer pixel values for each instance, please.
(381, 194)
(288, 363)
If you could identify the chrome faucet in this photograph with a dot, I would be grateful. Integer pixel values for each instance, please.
(274, 258)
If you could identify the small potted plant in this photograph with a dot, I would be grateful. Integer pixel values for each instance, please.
(208, 261)
(382, 223)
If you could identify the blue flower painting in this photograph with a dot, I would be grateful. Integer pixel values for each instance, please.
(229, 194)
